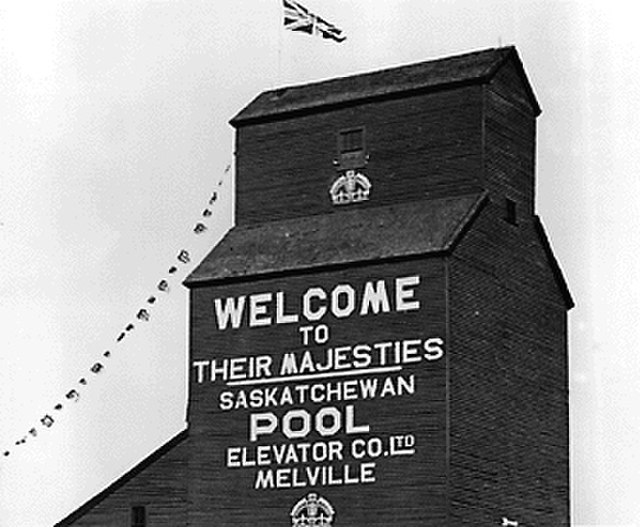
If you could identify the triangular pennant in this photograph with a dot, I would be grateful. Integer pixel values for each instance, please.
(199, 228)
(183, 256)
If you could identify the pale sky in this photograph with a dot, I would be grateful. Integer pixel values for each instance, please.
(114, 135)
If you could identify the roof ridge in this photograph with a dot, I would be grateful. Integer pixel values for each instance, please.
(368, 72)
(473, 66)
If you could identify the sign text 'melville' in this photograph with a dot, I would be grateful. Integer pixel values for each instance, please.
(344, 300)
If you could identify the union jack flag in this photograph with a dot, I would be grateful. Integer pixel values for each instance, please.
(299, 18)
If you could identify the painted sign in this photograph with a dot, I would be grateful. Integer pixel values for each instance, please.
(321, 391)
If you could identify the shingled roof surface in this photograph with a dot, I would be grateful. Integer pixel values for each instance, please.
(334, 239)
(478, 66)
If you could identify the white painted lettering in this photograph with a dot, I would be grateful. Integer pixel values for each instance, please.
(281, 316)
(405, 293)
(230, 312)
(296, 415)
(261, 424)
(349, 300)
(310, 313)
(200, 365)
(375, 299)
(258, 310)
(434, 348)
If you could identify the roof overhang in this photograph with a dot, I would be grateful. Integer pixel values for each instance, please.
(351, 236)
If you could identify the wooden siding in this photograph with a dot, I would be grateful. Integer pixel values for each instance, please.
(409, 490)
(160, 484)
(509, 140)
(419, 147)
(491, 418)
(508, 379)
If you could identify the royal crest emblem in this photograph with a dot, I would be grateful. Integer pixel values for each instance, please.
(351, 187)
(312, 511)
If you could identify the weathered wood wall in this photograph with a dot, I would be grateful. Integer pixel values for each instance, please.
(408, 490)
(419, 146)
(509, 140)
(508, 379)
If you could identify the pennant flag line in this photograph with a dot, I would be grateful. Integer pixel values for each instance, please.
(299, 18)
(143, 314)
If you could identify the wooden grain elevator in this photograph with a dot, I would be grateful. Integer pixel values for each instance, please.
(381, 339)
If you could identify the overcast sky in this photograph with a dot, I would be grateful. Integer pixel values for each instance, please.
(114, 135)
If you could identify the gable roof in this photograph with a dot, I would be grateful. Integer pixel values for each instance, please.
(553, 263)
(122, 480)
(344, 237)
(470, 68)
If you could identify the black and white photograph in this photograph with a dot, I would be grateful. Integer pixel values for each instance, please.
(319, 263)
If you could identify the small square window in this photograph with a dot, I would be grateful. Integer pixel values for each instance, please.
(351, 140)
(138, 516)
(511, 212)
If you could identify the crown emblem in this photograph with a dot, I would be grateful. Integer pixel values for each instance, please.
(351, 187)
(312, 511)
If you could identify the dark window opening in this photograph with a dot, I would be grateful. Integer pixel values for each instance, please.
(511, 212)
(138, 516)
(351, 140)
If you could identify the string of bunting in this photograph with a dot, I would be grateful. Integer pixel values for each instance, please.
(143, 315)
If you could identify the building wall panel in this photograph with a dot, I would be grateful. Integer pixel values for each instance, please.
(510, 139)
(418, 146)
(508, 380)
(410, 489)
